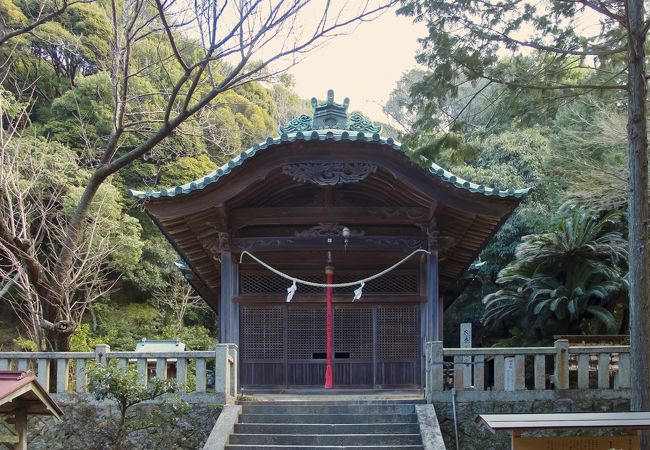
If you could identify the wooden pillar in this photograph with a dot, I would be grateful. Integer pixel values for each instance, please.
(225, 302)
(234, 307)
(21, 427)
(434, 306)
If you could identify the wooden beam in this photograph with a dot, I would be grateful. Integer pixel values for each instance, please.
(243, 217)
(298, 243)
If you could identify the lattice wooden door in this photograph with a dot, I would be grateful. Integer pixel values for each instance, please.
(398, 345)
(285, 345)
(262, 345)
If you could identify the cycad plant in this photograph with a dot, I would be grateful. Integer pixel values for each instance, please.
(565, 281)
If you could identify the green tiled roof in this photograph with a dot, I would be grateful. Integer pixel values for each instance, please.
(330, 122)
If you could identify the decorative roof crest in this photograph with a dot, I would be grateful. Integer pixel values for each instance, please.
(330, 115)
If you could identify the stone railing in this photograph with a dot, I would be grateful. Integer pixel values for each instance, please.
(196, 372)
(559, 367)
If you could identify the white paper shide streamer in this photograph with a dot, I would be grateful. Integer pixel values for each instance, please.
(291, 290)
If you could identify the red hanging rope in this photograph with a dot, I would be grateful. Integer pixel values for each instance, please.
(329, 382)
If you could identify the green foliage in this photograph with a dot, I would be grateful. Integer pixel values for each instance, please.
(566, 281)
(11, 14)
(123, 327)
(109, 224)
(24, 345)
(60, 74)
(186, 169)
(287, 104)
(514, 159)
(473, 58)
(82, 339)
(74, 42)
(82, 117)
(120, 385)
(195, 337)
(156, 263)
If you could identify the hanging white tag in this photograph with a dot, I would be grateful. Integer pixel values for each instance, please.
(358, 291)
(291, 290)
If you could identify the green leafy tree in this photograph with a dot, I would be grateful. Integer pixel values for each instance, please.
(15, 24)
(511, 159)
(73, 43)
(566, 281)
(40, 185)
(121, 386)
(232, 48)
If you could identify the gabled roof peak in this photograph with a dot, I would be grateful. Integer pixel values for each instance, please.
(330, 115)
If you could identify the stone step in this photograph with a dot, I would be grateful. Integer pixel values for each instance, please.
(413, 401)
(322, 447)
(390, 408)
(326, 439)
(282, 428)
(328, 418)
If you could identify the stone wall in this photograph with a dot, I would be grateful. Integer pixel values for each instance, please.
(470, 404)
(87, 424)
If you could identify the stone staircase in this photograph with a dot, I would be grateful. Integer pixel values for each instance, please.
(327, 425)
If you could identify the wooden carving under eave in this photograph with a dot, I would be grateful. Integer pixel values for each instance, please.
(394, 212)
(439, 242)
(329, 173)
(214, 246)
(326, 229)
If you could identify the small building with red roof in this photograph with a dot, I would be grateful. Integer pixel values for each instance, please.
(22, 395)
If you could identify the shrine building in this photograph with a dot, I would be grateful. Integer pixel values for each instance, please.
(329, 187)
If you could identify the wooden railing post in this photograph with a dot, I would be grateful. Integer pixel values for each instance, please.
(221, 372)
(562, 364)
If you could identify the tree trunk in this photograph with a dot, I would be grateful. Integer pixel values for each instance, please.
(60, 334)
(638, 213)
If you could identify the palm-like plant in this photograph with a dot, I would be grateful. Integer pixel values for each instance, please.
(566, 281)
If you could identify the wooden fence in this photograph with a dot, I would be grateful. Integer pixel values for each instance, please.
(196, 372)
(527, 368)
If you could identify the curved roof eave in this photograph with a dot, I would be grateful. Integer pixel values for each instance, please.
(321, 135)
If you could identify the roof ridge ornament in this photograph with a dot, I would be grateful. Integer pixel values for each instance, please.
(330, 115)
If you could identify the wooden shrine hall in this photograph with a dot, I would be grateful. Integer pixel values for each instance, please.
(330, 186)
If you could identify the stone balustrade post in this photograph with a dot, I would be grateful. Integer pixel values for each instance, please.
(101, 354)
(434, 368)
(221, 373)
(234, 369)
(562, 364)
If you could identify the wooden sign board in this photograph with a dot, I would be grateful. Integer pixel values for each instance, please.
(577, 443)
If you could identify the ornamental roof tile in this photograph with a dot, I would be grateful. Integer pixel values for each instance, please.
(329, 122)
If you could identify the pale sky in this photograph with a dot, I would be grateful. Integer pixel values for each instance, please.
(364, 65)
